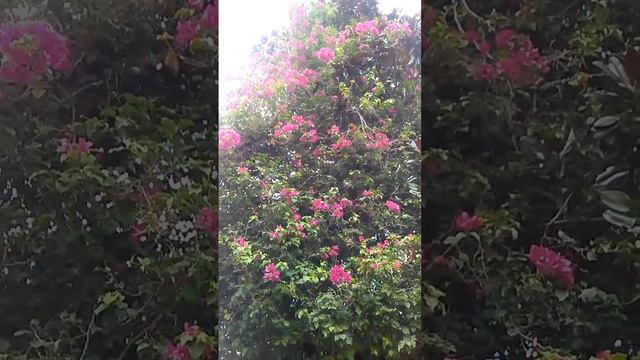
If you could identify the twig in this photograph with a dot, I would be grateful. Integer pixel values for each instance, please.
(138, 335)
(88, 334)
(556, 216)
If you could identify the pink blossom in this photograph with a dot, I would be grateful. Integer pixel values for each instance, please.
(375, 266)
(333, 130)
(190, 329)
(337, 210)
(187, 31)
(551, 263)
(338, 275)
(74, 149)
(334, 98)
(177, 352)
(310, 136)
(325, 55)
(346, 203)
(396, 264)
(466, 222)
(316, 152)
(367, 193)
(271, 273)
(277, 232)
(334, 251)
(228, 139)
(361, 238)
(314, 222)
(504, 37)
(392, 206)
(28, 49)
(483, 47)
(242, 170)
(210, 16)
(380, 141)
(208, 219)
(342, 143)
(241, 241)
(367, 27)
(471, 36)
(319, 205)
(195, 4)
(392, 111)
(296, 163)
(485, 71)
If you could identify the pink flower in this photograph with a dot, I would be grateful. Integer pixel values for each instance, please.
(325, 55)
(338, 275)
(319, 205)
(334, 98)
(187, 31)
(551, 263)
(375, 266)
(210, 16)
(29, 48)
(177, 352)
(392, 111)
(484, 71)
(334, 251)
(483, 47)
(471, 36)
(361, 238)
(296, 163)
(271, 273)
(504, 37)
(392, 206)
(342, 143)
(333, 130)
(75, 149)
(396, 264)
(191, 330)
(465, 222)
(208, 219)
(337, 211)
(380, 141)
(314, 222)
(228, 139)
(310, 136)
(367, 27)
(195, 4)
(367, 193)
(242, 242)
(316, 152)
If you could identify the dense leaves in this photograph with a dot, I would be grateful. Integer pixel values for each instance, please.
(530, 112)
(107, 150)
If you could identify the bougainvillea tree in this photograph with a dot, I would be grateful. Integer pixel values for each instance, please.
(530, 179)
(319, 197)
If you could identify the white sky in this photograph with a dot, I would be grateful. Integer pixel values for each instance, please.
(244, 22)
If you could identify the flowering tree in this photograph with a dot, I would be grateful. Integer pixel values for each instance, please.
(318, 191)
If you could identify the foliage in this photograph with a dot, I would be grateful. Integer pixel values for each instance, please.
(105, 165)
(549, 164)
(319, 201)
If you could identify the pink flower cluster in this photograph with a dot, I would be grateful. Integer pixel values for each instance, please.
(338, 275)
(551, 263)
(75, 148)
(288, 193)
(271, 273)
(335, 208)
(392, 206)
(334, 251)
(367, 27)
(520, 63)
(228, 139)
(397, 27)
(177, 352)
(29, 49)
(208, 219)
(379, 141)
(466, 222)
(325, 55)
(341, 143)
(297, 122)
(242, 242)
(187, 30)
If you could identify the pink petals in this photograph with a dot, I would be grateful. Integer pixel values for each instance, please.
(551, 263)
(271, 273)
(466, 222)
(338, 275)
(228, 139)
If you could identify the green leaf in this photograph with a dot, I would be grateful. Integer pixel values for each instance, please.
(615, 200)
(618, 219)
